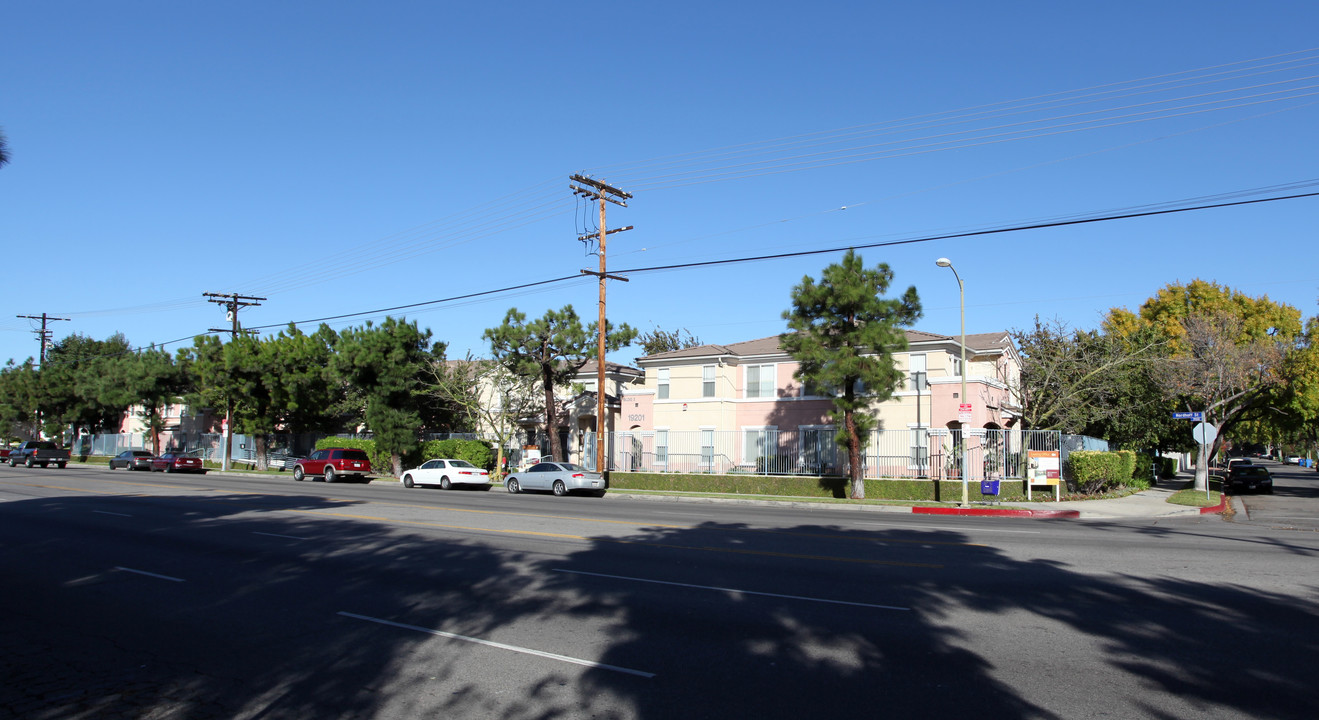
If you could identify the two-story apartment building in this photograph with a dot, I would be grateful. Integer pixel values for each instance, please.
(738, 406)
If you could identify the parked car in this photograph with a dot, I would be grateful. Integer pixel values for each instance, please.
(1249, 477)
(560, 478)
(131, 460)
(334, 464)
(38, 452)
(177, 462)
(447, 473)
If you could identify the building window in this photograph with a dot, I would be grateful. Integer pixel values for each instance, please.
(707, 381)
(920, 450)
(760, 449)
(760, 381)
(957, 366)
(663, 393)
(662, 448)
(917, 378)
(816, 451)
(707, 448)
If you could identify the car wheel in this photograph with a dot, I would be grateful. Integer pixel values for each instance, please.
(512, 486)
(61, 466)
(445, 484)
(169, 468)
(560, 489)
(298, 474)
(329, 474)
(407, 481)
(29, 462)
(112, 464)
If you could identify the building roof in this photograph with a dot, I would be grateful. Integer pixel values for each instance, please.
(770, 346)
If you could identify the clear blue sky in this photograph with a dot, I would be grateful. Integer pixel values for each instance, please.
(340, 157)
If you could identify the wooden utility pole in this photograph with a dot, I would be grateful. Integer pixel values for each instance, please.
(596, 190)
(43, 333)
(232, 301)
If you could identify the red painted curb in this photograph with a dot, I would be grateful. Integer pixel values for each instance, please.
(1220, 507)
(917, 510)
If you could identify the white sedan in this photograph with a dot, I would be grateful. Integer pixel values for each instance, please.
(447, 474)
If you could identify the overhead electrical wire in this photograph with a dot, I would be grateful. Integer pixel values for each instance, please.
(546, 199)
(1152, 210)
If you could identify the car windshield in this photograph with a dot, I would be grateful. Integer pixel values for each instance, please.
(1250, 472)
(461, 463)
(574, 468)
(355, 455)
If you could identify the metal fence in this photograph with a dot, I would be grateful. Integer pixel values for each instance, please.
(923, 453)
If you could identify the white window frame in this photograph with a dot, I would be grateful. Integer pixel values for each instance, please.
(662, 384)
(760, 385)
(761, 433)
(919, 434)
(661, 447)
(707, 448)
(912, 370)
(708, 381)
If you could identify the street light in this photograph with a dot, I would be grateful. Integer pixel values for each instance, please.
(961, 289)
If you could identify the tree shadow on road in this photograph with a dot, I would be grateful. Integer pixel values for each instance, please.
(313, 608)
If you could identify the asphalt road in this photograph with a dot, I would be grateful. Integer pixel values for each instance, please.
(149, 596)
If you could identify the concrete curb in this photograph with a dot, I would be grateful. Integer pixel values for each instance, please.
(998, 512)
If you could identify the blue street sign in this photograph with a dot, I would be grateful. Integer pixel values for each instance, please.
(1197, 416)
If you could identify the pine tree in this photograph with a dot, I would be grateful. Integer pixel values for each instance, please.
(843, 336)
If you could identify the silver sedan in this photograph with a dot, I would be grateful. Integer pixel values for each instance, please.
(558, 477)
(447, 474)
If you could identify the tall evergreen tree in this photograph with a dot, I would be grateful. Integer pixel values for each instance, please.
(843, 336)
(551, 349)
(387, 364)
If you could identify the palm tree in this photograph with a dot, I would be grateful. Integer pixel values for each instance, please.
(4, 150)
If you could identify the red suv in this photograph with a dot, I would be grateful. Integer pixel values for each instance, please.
(335, 464)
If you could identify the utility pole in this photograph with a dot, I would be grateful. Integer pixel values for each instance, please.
(234, 302)
(596, 190)
(43, 333)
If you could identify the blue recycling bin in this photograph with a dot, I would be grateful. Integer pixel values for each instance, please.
(989, 487)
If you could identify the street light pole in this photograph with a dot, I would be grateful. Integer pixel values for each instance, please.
(961, 289)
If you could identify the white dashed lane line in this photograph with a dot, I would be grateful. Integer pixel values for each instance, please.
(734, 590)
(502, 646)
(149, 574)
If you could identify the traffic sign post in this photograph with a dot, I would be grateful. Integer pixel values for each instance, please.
(1205, 433)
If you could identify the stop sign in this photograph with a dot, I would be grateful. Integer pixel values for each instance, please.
(1204, 433)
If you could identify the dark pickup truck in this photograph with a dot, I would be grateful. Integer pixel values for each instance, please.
(38, 452)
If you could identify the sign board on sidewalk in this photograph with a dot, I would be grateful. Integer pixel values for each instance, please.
(964, 412)
(1198, 416)
(1204, 433)
(1044, 468)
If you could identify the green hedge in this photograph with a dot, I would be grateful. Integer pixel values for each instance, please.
(1144, 467)
(1093, 471)
(1167, 468)
(814, 487)
(475, 452)
(1128, 464)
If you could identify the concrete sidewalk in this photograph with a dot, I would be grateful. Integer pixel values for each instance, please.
(1152, 503)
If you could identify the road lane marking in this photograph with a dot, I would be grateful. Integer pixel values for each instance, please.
(149, 574)
(946, 527)
(734, 590)
(619, 541)
(107, 512)
(287, 537)
(502, 646)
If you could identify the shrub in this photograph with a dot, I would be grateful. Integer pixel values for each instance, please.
(1167, 468)
(1144, 467)
(475, 452)
(1128, 465)
(1095, 470)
